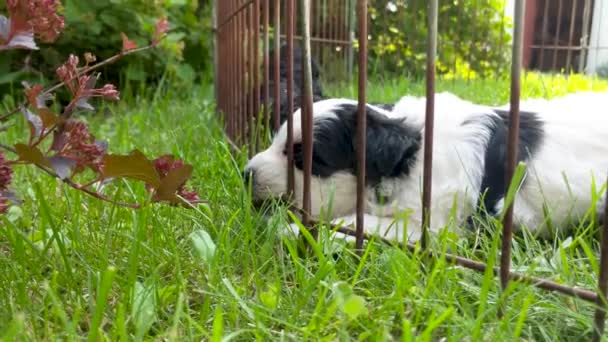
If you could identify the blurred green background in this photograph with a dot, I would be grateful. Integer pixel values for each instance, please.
(473, 37)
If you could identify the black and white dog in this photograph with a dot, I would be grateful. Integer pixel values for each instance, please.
(563, 142)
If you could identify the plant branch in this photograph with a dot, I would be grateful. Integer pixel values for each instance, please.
(88, 191)
(84, 71)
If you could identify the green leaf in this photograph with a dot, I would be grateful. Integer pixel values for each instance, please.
(270, 297)
(203, 244)
(143, 311)
(354, 306)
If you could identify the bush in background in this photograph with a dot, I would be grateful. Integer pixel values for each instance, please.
(96, 26)
(473, 37)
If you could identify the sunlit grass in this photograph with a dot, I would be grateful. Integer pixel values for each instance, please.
(74, 267)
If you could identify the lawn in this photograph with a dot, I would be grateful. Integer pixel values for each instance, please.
(74, 267)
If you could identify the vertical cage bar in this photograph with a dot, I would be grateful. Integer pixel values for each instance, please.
(500, 45)
(256, 75)
(543, 36)
(429, 123)
(584, 42)
(289, 23)
(361, 123)
(512, 145)
(277, 65)
(216, 67)
(473, 41)
(351, 38)
(571, 35)
(266, 81)
(306, 110)
(250, 81)
(242, 86)
(600, 311)
(226, 34)
(233, 96)
(557, 34)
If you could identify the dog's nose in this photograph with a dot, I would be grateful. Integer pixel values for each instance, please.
(247, 175)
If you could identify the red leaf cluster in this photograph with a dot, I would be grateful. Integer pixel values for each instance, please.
(161, 28)
(167, 163)
(78, 144)
(82, 86)
(29, 17)
(73, 148)
(6, 174)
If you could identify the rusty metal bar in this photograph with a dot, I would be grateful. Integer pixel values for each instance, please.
(512, 145)
(277, 65)
(557, 33)
(256, 76)
(323, 40)
(233, 14)
(361, 123)
(233, 103)
(241, 120)
(544, 32)
(216, 66)
(431, 60)
(351, 37)
(306, 111)
(289, 24)
(250, 81)
(557, 47)
(571, 34)
(584, 42)
(473, 46)
(600, 313)
(266, 82)
(502, 35)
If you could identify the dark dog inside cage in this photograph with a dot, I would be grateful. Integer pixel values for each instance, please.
(298, 67)
(298, 79)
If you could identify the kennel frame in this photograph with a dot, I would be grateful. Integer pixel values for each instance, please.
(236, 24)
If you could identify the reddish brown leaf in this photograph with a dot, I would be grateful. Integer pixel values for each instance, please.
(31, 155)
(49, 118)
(134, 166)
(170, 184)
(127, 44)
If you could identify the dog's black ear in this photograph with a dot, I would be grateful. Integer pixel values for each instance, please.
(392, 147)
(333, 150)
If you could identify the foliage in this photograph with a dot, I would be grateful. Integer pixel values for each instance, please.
(184, 55)
(61, 145)
(472, 36)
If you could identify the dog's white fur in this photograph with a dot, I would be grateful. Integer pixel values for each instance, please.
(573, 152)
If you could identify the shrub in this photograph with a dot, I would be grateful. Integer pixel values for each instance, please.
(61, 145)
(184, 55)
(472, 37)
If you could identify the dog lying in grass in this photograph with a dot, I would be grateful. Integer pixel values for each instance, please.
(563, 143)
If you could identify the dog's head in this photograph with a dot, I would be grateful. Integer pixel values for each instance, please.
(391, 149)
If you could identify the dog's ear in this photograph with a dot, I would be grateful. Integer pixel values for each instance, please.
(333, 150)
(392, 147)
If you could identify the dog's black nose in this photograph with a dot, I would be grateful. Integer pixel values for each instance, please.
(247, 176)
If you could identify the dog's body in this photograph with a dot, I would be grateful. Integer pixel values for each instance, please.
(563, 142)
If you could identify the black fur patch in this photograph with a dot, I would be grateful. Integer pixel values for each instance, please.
(493, 185)
(391, 148)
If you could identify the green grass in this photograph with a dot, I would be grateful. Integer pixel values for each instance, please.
(74, 268)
